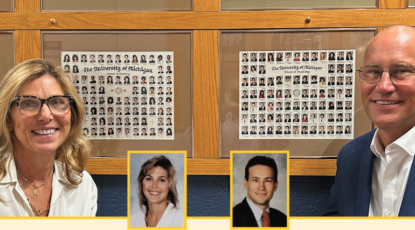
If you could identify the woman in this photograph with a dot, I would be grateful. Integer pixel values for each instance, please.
(322, 56)
(75, 69)
(135, 59)
(143, 59)
(109, 80)
(169, 101)
(331, 56)
(66, 58)
(279, 57)
(75, 58)
(278, 95)
(331, 106)
(102, 121)
(297, 57)
(349, 57)
(269, 130)
(110, 132)
(101, 80)
(270, 118)
(261, 94)
(34, 135)
(158, 198)
(322, 81)
(270, 57)
(152, 101)
(347, 131)
(253, 69)
(270, 106)
(110, 100)
(305, 119)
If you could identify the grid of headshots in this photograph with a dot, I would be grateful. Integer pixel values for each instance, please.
(126, 94)
(297, 94)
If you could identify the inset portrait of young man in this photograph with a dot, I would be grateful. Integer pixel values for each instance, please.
(259, 189)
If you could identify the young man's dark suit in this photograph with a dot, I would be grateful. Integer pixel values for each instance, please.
(244, 217)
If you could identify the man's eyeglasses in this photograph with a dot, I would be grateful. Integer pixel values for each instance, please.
(31, 105)
(373, 74)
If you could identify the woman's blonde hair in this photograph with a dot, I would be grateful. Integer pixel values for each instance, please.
(74, 152)
(165, 163)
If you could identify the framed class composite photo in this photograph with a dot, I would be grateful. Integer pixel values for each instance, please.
(157, 189)
(127, 95)
(259, 189)
(307, 94)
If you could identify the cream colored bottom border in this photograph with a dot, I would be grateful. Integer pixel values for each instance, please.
(208, 224)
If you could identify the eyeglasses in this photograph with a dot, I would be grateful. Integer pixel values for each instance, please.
(31, 105)
(373, 74)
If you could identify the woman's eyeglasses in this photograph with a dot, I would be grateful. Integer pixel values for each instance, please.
(31, 105)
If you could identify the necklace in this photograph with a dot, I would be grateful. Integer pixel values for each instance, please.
(37, 211)
(36, 192)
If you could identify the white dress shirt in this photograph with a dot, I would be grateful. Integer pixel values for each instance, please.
(257, 212)
(172, 217)
(391, 169)
(66, 200)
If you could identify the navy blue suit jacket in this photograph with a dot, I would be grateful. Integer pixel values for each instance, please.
(350, 194)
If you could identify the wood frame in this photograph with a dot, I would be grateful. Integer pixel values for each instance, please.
(206, 20)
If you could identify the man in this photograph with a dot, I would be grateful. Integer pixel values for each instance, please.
(253, 57)
(330, 131)
(349, 69)
(305, 80)
(245, 82)
(296, 107)
(296, 80)
(109, 58)
(313, 130)
(304, 95)
(288, 57)
(305, 57)
(245, 58)
(261, 130)
(287, 118)
(262, 69)
(261, 182)
(339, 130)
(305, 107)
(322, 130)
(304, 130)
(252, 130)
(349, 81)
(296, 119)
(363, 185)
(245, 70)
(262, 57)
(278, 131)
(245, 130)
(287, 94)
(253, 82)
(331, 81)
(340, 69)
(313, 106)
(314, 56)
(340, 57)
(279, 119)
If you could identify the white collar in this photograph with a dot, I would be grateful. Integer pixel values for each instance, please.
(405, 142)
(256, 210)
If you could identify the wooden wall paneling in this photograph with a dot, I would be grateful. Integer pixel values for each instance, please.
(27, 45)
(207, 20)
(393, 4)
(206, 5)
(27, 6)
(298, 167)
(206, 93)
(110, 166)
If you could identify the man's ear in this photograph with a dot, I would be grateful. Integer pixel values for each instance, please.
(275, 186)
(246, 184)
